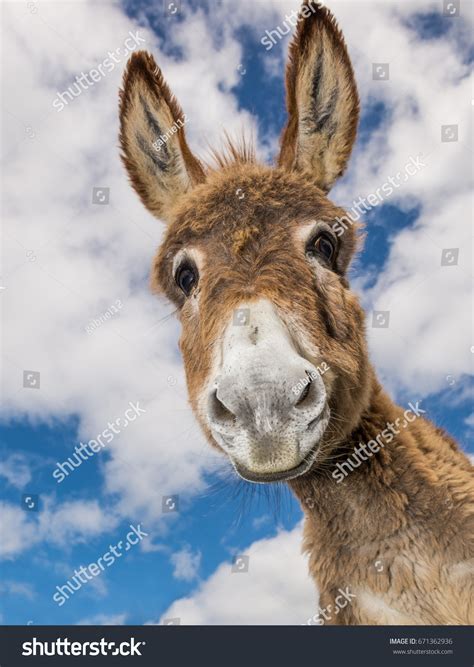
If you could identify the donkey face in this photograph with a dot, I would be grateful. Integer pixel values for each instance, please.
(272, 337)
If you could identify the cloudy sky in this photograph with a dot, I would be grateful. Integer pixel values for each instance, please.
(83, 339)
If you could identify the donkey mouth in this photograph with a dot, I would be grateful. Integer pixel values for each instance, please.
(305, 449)
(278, 476)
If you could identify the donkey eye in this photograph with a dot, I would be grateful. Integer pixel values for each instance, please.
(323, 245)
(186, 278)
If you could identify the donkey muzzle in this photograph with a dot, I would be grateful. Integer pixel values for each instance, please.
(267, 405)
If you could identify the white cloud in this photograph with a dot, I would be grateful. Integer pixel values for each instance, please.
(75, 521)
(18, 533)
(470, 420)
(260, 521)
(72, 522)
(186, 564)
(21, 588)
(15, 469)
(276, 590)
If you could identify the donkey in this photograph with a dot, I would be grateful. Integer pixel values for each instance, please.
(274, 346)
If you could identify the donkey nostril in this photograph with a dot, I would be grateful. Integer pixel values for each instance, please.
(303, 395)
(219, 412)
(305, 392)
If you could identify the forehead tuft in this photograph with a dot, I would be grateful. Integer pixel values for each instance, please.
(242, 236)
(243, 201)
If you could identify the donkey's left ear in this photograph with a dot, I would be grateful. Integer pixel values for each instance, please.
(154, 149)
(322, 99)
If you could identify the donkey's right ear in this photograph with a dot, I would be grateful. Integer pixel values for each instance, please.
(154, 150)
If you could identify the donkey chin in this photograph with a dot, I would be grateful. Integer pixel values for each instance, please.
(267, 406)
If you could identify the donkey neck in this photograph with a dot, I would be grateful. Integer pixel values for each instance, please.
(365, 488)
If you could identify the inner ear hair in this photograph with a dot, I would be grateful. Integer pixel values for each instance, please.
(322, 98)
(152, 137)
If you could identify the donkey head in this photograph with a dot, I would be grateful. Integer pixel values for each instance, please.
(272, 337)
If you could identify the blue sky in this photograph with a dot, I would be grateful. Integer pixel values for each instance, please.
(218, 516)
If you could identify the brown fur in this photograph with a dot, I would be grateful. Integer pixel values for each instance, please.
(410, 506)
(400, 526)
